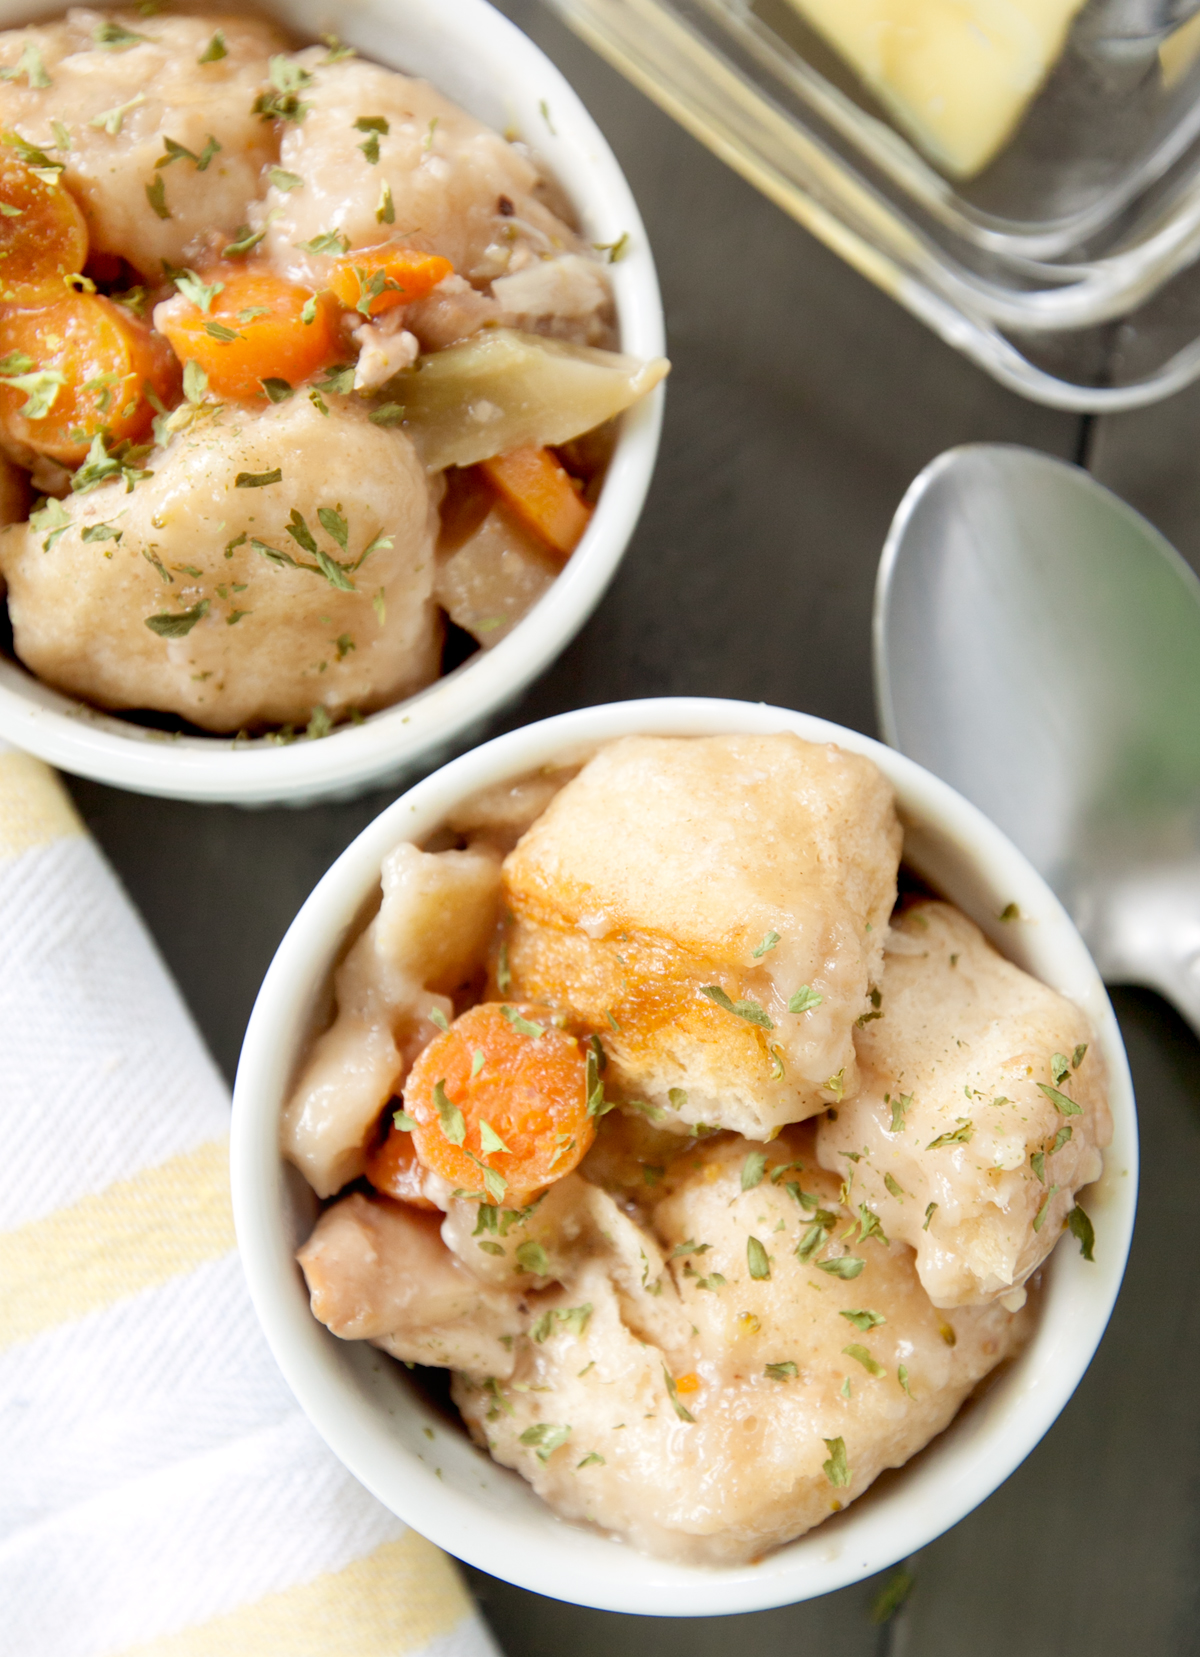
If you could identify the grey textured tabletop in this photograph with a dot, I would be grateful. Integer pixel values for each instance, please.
(801, 404)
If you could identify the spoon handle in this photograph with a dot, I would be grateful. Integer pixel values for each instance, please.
(1145, 929)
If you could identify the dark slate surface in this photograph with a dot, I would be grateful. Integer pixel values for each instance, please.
(801, 404)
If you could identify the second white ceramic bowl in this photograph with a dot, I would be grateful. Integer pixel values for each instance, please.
(478, 58)
(429, 1473)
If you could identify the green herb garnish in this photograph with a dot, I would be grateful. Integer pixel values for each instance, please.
(329, 241)
(113, 37)
(111, 120)
(681, 1410)
(1064, 1106)
(283, 102)
(30, 65)
(1081, 1227)
(748, 1009)
(200, 293)
(961, 1135)
(835, 1469)
(848, 1266)
(41, 388)
(449, 1115)
(178, 626)
(900, 1105)
(1040, 1217)
(864, 1320)
(490, 1141)
(156, 195)
(863, 1357)
(545, 1439)
(753, 1170)
(244, 239)
(523, 1026)
(532, 1257)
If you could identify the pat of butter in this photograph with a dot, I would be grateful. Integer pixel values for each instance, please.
(956, 75)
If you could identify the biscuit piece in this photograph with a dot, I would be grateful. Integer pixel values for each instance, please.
(798, 1380)
(981, 1110)
(714, 908)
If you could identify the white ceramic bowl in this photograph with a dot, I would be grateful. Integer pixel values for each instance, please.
(370, 1415)
(478, 58)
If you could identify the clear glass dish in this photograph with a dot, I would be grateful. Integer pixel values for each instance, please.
(1064, 267)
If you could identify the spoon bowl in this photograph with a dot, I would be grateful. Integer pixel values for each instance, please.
(1037, 645)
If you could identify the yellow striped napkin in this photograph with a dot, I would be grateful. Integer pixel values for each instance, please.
(160, 1492)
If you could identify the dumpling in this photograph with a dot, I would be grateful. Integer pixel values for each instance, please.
(177, 583)
(793, 1387)
(128, 87)
(981, 1109)
(714, 908)
(375, 143)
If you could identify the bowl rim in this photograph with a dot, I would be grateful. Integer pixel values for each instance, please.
(343, 1387)
(90, 742)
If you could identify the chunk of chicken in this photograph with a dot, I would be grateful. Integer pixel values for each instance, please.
(683, 895)
(183, 593)
(566, 297)
(378, 1271)
(452, 185)
(981, 1110)
(780, 1409)
(552, 1240)
(123, 85)
(429, 937)
(491, 582)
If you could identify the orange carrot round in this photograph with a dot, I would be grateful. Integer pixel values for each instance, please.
(541, 493)
(374, 279)
(499, 1102)
(395, 1170)
(43, 237)
(253, 329)
(71, 370)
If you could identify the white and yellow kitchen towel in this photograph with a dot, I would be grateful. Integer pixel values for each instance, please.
(160, 1491)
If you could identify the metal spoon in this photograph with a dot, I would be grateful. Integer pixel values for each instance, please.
(1149, 20)
(1122, 37)
(1037, 644)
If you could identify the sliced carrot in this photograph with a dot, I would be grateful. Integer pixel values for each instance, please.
(373, 279)
(500, 1102)
(541, 493)
(43, 237)
(254, 329)
(395, 1170)
(687, 1383)
(77, 368)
